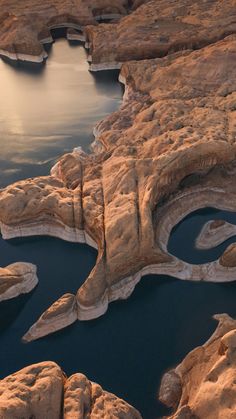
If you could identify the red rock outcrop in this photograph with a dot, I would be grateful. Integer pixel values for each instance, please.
(214, 233)
(25, 26)
(203, 385)
(17, 278)
(158, 28)
(43, 391)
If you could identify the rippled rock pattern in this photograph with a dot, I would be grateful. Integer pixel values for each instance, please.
(43, 391)
(203, 385)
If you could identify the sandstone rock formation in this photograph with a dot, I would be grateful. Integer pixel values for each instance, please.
(228, 259)
(214, 233)
(25, 26)
(168, 151)
(43, 391)
(17, 278)
(157, 28)
(203, 385)
(61, 314)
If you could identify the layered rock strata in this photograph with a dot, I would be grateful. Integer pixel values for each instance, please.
(61, 314)
(168, 151)
(17, 278)
(214, 233)
(25, 26)
(203, 385)
(43, 391)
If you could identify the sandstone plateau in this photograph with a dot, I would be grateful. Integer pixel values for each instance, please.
(203, 385)
(42, 391)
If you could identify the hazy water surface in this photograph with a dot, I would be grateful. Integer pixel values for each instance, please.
(47, 112)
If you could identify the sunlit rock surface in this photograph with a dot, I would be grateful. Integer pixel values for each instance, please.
(43, 391)
(17, 278)
(160, 27)
(168, 151)
(204, 383)
(214, 233)
(61, 314)
(25, 25)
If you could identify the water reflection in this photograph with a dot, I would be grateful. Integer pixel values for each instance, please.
(47, 112)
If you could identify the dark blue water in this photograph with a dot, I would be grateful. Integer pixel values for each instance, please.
(187, 231)
(128, 349)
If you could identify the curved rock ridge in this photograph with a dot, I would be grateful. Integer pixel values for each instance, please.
(17, 278)
(214, 233)
(157, 28)
(168, 151)
(43, 391)
(203, 385)
(25, 26)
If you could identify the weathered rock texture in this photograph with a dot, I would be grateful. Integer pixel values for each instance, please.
(25, 25)
(203, 385)
(160, 27)
(43, 391)
(214, 233)
(17, 278)
(61, 314)
(168, 151)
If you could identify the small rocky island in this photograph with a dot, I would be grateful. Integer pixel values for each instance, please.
(168, 151)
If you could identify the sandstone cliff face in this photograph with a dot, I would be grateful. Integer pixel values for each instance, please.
(203, 385)
(43, 391)
(169, 150)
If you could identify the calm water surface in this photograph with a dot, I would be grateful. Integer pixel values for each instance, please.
(129, 348)
(48, 112)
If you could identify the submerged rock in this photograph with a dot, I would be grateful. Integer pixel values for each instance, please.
(42, 391)
(207, 377)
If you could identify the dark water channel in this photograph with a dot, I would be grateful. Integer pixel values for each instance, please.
(129, 348)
